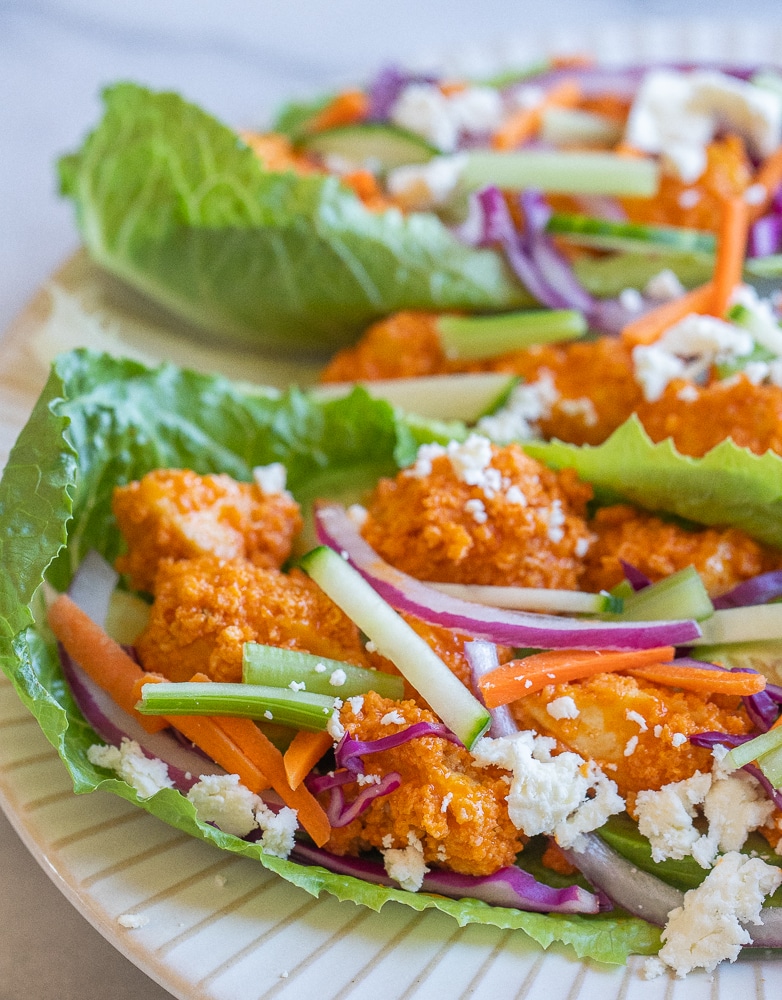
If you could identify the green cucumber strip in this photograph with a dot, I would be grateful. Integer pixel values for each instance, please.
(764, 267)
(543, 599)
(680, 595)
(763, 656)
(609, 235)
(373, 142)
(727, 625)
(439, 397)
(507, 77)
(300, 709)
(571, 127)
(273, 666)
(745, 753)
(771, 765)
(449, 698)
(468, 338)
(564, 173)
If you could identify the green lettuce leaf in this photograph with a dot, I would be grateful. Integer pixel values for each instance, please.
(172, 201)
(103, 421)
(729, 485)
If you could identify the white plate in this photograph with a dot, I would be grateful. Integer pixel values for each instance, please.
(215, 926)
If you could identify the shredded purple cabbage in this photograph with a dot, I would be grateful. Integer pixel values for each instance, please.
(349, 751)
(384, 90)
(510, 887)
(341, 813)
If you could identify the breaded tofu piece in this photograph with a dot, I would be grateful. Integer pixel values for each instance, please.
(177, 514)
(456, 810)
(594, 385)
(699, 417)
(724, 557)
(205, 609)
(477, 513)
(636, 731)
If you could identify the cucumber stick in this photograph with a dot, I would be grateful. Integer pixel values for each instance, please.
(449, 698)
(606, 234)
(759, 622)
(371, 142)
(564, 173)
(680, 595)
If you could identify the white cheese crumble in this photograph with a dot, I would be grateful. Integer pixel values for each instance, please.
(550, 794)
(732, 803)
(334, 727)
(356, 703)
(405, 865)
(421, 187)
(132, 921)
(338, 677)
(442, 118)
(477, 510)
(392, 718)
(357, 514)
(271, 478)
(221, 799)
(631, 746)
(708, 928)
(637, 718)
(147, 775)
(297, 686)
(664, 286)
(529, 403)
(563, 708)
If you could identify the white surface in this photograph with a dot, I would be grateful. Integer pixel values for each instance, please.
(239, 58)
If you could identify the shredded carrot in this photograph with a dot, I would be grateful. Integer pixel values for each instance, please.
(652, 325)
(450, 87)
(347, 108)
(101, 658)
(303, 754)
(207, 733)
(518, 678)
(769, 177)
(526, 122)
(691, 678)
(731, 250)
(572, 60)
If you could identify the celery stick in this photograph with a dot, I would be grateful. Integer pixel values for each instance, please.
(300, 709)
(277, 667)
(771, 765)
(573, 173)
(680, 595)
(475, 337)
(752, 749)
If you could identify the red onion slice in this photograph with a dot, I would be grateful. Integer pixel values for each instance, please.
(758, 589)
(507, 628)
(482, 657)
(509, 887)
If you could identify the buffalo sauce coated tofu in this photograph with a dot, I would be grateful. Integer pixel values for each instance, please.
(177, 514)
(636, 731)
(205, 609)
(724, 557)
(455, 809)
(476, 513)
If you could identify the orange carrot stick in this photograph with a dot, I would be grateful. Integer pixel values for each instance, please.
(347, 108)
(526, 122)
(518, 678)
(652, 325)
(303, 754)
(264, 756)
(731, 251)
(207, 733)
(769, 177)
(691, 678)
(101, 658)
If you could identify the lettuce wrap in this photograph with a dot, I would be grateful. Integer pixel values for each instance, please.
(102, 421)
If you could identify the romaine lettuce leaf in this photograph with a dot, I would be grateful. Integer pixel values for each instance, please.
(729, 485)
(103, 421)
(171, 200)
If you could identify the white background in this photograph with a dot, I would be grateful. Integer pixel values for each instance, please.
(239, 59)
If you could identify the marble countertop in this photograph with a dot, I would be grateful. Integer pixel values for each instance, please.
(239, 58)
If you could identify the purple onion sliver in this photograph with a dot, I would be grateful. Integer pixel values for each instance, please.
(482, 658)
(509, 887)
(773, 793)
(385, 89)
(757, 590)
(765, 236)
(634, 576)
(92, 586)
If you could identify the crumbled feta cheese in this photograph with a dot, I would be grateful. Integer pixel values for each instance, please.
(442, 118)
(132, 921)
(678, 740)
(664, 286)
(655, 368)
(755, 194)
(368, 779)
(146, 775)
(477, 510)
(406, 865)
(356, 703)
(279, 829)
(392, 718)
(421, 187)
(563, 708)
(688, 394)
(271, 478)
(334, 727)
(528, 403)
(297, 686)
(357, 514)
(549, 793)
(631, 746)
(446, 802)
(556, 522)
(689, 198)
(221, 799)
(337, 677)
(267, 714)
(582, 407)
(320, 668)
(708, 928)
(631, 300)
(637, 718)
